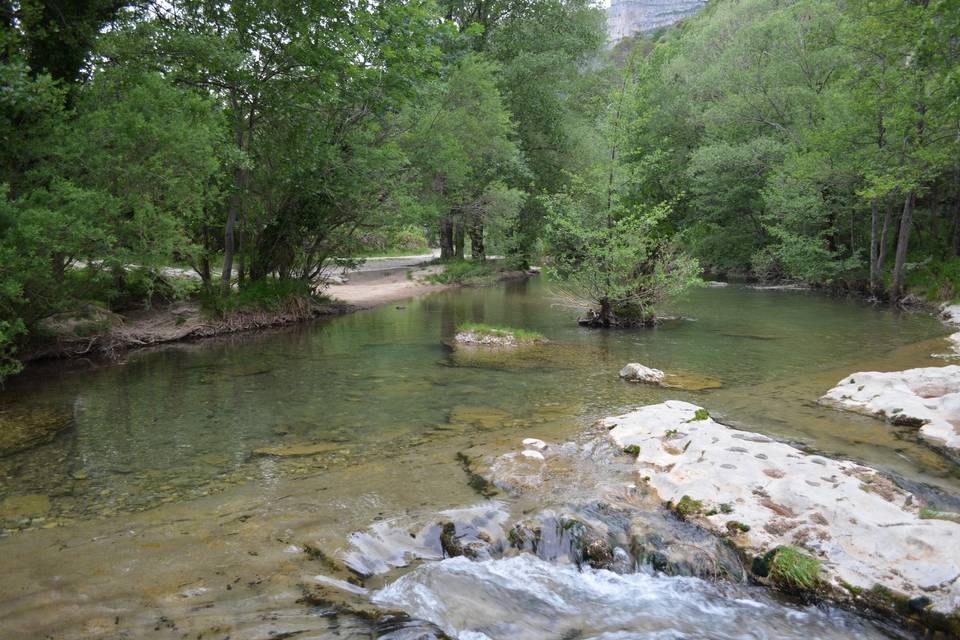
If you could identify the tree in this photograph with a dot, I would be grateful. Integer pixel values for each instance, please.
(460, 142)
(610, 253)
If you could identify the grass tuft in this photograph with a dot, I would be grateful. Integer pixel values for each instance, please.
(792, 568)
(480, 329)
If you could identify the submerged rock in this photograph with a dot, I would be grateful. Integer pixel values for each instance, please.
(636, 372)
(866, 532)
(25, 506)
(23, 428)
(297, 450)
(928, 398)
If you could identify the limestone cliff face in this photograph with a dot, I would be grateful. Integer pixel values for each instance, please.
(629, 17)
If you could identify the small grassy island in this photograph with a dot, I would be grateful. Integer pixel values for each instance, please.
(474, 333)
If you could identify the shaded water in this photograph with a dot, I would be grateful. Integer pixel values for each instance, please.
(381, 406)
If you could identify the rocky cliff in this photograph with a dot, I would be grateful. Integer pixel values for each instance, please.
(629, 17)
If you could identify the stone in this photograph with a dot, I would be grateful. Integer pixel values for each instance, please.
(950, 313)
(636, 372)
(716, 284)
(482, 417)
(31, 505)
(858, 525)
(534, 443)
(928, 398)
(535, 455)
(23, 428)
(627, 18)
(297, 450)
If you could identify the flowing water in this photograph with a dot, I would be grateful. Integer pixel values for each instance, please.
(182, 495)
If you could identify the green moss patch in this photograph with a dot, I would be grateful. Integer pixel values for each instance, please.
(789, 568)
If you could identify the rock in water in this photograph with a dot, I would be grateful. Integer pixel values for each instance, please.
(928, 398)
(636, 372)
(22, 428)
(865, 530)
(950, 313)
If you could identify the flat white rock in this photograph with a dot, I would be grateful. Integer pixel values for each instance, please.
(865, 530)
(534, 443)
(926, 397)
(950, 313)
(528, 453)
(636, 372)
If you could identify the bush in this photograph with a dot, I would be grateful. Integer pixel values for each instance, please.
(466, 272)
(936, 279)
(268, 294)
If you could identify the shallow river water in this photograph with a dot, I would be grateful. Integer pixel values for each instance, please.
(168, 509)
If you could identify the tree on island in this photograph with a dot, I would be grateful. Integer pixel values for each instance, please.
(610, 252)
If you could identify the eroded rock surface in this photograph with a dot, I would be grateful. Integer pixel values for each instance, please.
(928, 398)
(865, 530)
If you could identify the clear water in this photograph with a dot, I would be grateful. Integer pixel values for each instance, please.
(157, 491)
(182, 421)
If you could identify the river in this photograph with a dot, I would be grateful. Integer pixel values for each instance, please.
(167, 511)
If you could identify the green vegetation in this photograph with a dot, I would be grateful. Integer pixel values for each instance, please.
(632, 450)
(266, 140)
(270, 294)
(929, 513)
(467, 273)
(807, 140)
(789, 568)
(686, 507)
(700, 414)
(735, 527)
(520, 335)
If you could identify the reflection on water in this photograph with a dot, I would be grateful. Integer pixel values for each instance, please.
(188, 420)
(177, 500)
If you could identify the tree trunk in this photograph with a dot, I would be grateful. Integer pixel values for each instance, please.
(903, 241)
(59, 267)
(446, 238)
(884, 234)
(956, 213)
(459, 239)
(235, 203)
(479, 254)
(874, 244)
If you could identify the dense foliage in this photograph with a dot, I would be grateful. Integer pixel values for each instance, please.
(809, 140)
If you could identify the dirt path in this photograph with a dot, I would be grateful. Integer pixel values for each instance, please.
(371, 287)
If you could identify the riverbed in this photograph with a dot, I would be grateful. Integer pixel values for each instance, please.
(182, 497)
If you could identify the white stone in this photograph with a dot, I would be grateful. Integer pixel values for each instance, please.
(950, 313)
(536, 455)
(955, 341)
(636, 372)
(716, 284)
(928, 397)
(864, 529)
(534, 443)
